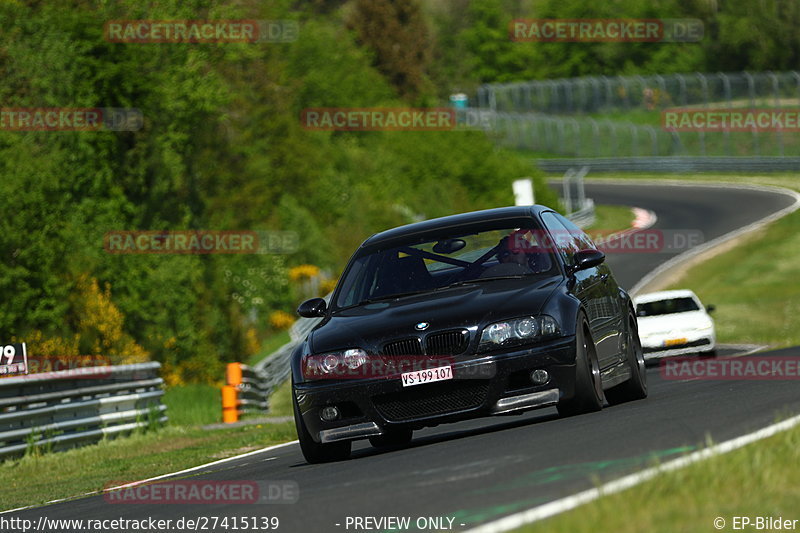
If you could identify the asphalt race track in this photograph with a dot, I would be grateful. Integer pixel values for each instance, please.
(481, 470)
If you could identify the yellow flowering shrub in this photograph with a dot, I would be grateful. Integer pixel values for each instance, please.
(281, 320)
(303, 272)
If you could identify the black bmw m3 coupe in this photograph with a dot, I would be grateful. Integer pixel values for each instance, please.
(486, 313)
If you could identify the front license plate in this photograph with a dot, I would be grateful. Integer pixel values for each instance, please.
(673, 342)
(418, 377)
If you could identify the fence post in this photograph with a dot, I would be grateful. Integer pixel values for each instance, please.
(230, 393)
(230, 404)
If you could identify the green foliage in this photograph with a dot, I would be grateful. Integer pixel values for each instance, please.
(474, 44)
(221, 148)
(397, 34)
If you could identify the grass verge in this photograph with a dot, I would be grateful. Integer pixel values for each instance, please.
(611, 218)
(38, 479)
(193, 405)
(751, 481)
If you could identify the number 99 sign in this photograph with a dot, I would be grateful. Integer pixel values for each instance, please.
(13, 359)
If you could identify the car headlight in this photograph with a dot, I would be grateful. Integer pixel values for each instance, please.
(333, 365)
(517, 331)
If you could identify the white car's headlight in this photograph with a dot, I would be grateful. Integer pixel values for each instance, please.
(517, 331)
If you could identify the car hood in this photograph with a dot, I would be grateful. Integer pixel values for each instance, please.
(370, 326)
(653, 325)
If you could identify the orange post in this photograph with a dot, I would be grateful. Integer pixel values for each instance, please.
(230, 393)
(234, 374)
(230, 404)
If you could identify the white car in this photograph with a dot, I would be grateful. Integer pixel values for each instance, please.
(674, 323)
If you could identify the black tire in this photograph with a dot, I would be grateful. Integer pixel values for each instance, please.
(393, 438)
(634, 388)
(588, 395)
(316, 452)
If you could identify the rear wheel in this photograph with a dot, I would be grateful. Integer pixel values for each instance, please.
(392, 438)
(588, 395)
(316, 452)
(634, 388)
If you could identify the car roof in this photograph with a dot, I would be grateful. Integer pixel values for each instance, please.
(472, 218)
(664, 295)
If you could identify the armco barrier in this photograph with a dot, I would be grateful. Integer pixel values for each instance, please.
(675, 165)
(246, 392)
(69, 408)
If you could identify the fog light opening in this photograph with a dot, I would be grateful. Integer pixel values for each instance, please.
(540, 377)
(329, 413)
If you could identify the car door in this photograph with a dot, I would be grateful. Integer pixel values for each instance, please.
(592, 287)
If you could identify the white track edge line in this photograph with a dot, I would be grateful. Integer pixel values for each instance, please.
(162, 476)
(571, 502)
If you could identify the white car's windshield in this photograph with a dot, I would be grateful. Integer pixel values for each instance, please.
(667, 307)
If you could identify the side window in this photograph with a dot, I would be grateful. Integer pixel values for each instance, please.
(582, 241)
(562, 237)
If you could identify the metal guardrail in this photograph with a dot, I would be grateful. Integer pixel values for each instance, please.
(593, 94)
(672, 164)
(246, 392)
(581, 136)
(69, 408)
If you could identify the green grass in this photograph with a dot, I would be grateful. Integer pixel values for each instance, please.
(757, 480)
(37, 479)
(192, 405)
(611, 218)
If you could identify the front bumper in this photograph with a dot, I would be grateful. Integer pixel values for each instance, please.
(492, 384)
(665, 345)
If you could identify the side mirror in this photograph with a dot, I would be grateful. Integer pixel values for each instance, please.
(710, 308)
(315, 307)
(587, 259)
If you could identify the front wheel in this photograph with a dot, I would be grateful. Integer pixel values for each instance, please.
(588, 395)
(316, 452)
(634, 388)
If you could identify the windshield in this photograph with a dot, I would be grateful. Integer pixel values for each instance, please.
(444, 261)
(667, 307)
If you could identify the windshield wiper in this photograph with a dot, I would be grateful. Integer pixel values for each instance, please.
(478, 280)
(390, 297)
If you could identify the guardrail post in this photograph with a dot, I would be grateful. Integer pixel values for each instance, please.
(230, 393)
(230, 404)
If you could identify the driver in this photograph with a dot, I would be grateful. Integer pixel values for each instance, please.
(514, 250)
